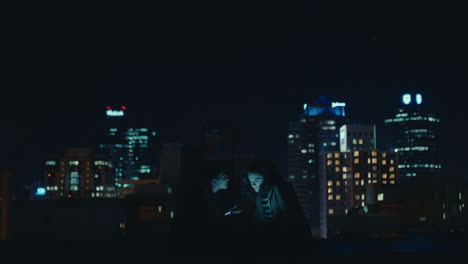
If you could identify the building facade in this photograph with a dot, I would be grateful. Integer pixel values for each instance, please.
(79, 174)
(316, 131)
(357, 137)
(130, 147)
(416, 141)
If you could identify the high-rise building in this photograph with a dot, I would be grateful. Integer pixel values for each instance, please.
(357, 137)
(79, 174)
(416, 137)
(354, 180)
(130, 147)
(316, 131)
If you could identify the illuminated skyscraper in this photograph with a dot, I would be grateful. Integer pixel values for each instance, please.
(317, 131)
(357, 137)
(416, 138)
(130, 147)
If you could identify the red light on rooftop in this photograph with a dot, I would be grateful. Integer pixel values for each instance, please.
(69, 195)
(108, 107)
(124, 108)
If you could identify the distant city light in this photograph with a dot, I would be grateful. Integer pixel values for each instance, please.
(40, 191)
(305, 106)
(406, 99)
(108, 107)
(115, 113)
(418, 99)
(337, 104)
(124, 108)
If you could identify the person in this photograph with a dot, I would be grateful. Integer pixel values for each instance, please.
(275, 211)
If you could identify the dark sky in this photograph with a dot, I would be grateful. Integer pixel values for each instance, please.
(255, 64)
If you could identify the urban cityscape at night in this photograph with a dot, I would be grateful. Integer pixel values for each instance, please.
(254, 128)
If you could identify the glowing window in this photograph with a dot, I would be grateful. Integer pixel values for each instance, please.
(337, 169)
(374, 160)
(357, 175)
(357, 197)
(392, 175)
(331, 211)
(329, 155)
(345, 169)
(338, 197)
(330, 197)
(384, 162)
(392, 182)
(392, 161)
(380, 197)
(391, 169)
(374, 181)
(356, 161)
(384, 182)
(356, 183)
(360, 142)
(330, 183)
(329, 162)
(338, 183)
(384, 155)
(362, 182)
(354, 141)
(384, 175)
(374, 153)
(363, 196)
(337, 162)
(337, 155)
(356, 153)
(330, 190)
(345, 176)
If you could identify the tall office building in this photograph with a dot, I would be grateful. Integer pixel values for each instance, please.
(79, 174)
(130, 147)
(416, 138)
(357, 137)
(316, 131)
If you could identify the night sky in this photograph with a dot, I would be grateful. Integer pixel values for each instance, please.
(176, 66)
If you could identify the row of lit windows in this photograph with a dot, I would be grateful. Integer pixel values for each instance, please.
(337, 183)
(331, 197)
(420, 166)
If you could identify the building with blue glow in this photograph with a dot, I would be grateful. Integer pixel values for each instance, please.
(416, 141)
(130, 147)
(316, 131)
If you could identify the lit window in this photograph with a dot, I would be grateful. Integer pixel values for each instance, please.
(356, 153)
(384, 175)
(374, 168)
(338, 197)
(345, 176)
(330, 197)
(329, 155)
(384, 162)
(392, 175)
(338, 183)
(337, 169)
(337, 155)
(384, 182)
(354, 141)
(392, 182)
(391, 169)
(368, 175)
(374, 181)
(360, 142)
(357, 197)
(329, 162)
(363, 196)
(356, 161)
(330, 183)
(363, 204)
(337, 162)
(369, 181)
(362, 182)
(374, 153)
(303, 150)
(356, 183)
(392, 161)
(345, 169)
(368, 160)
(384, 155)
(380, 197)
(331, 211)
(374, 160)
(330, 190)
(357, 175)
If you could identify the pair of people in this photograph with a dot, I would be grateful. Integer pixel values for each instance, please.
(260, 195)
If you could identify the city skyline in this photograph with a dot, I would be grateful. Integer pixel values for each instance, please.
(176, 70)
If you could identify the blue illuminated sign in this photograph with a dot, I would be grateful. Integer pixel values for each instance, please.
(418, 99)
(406, 99)
(40, 191)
